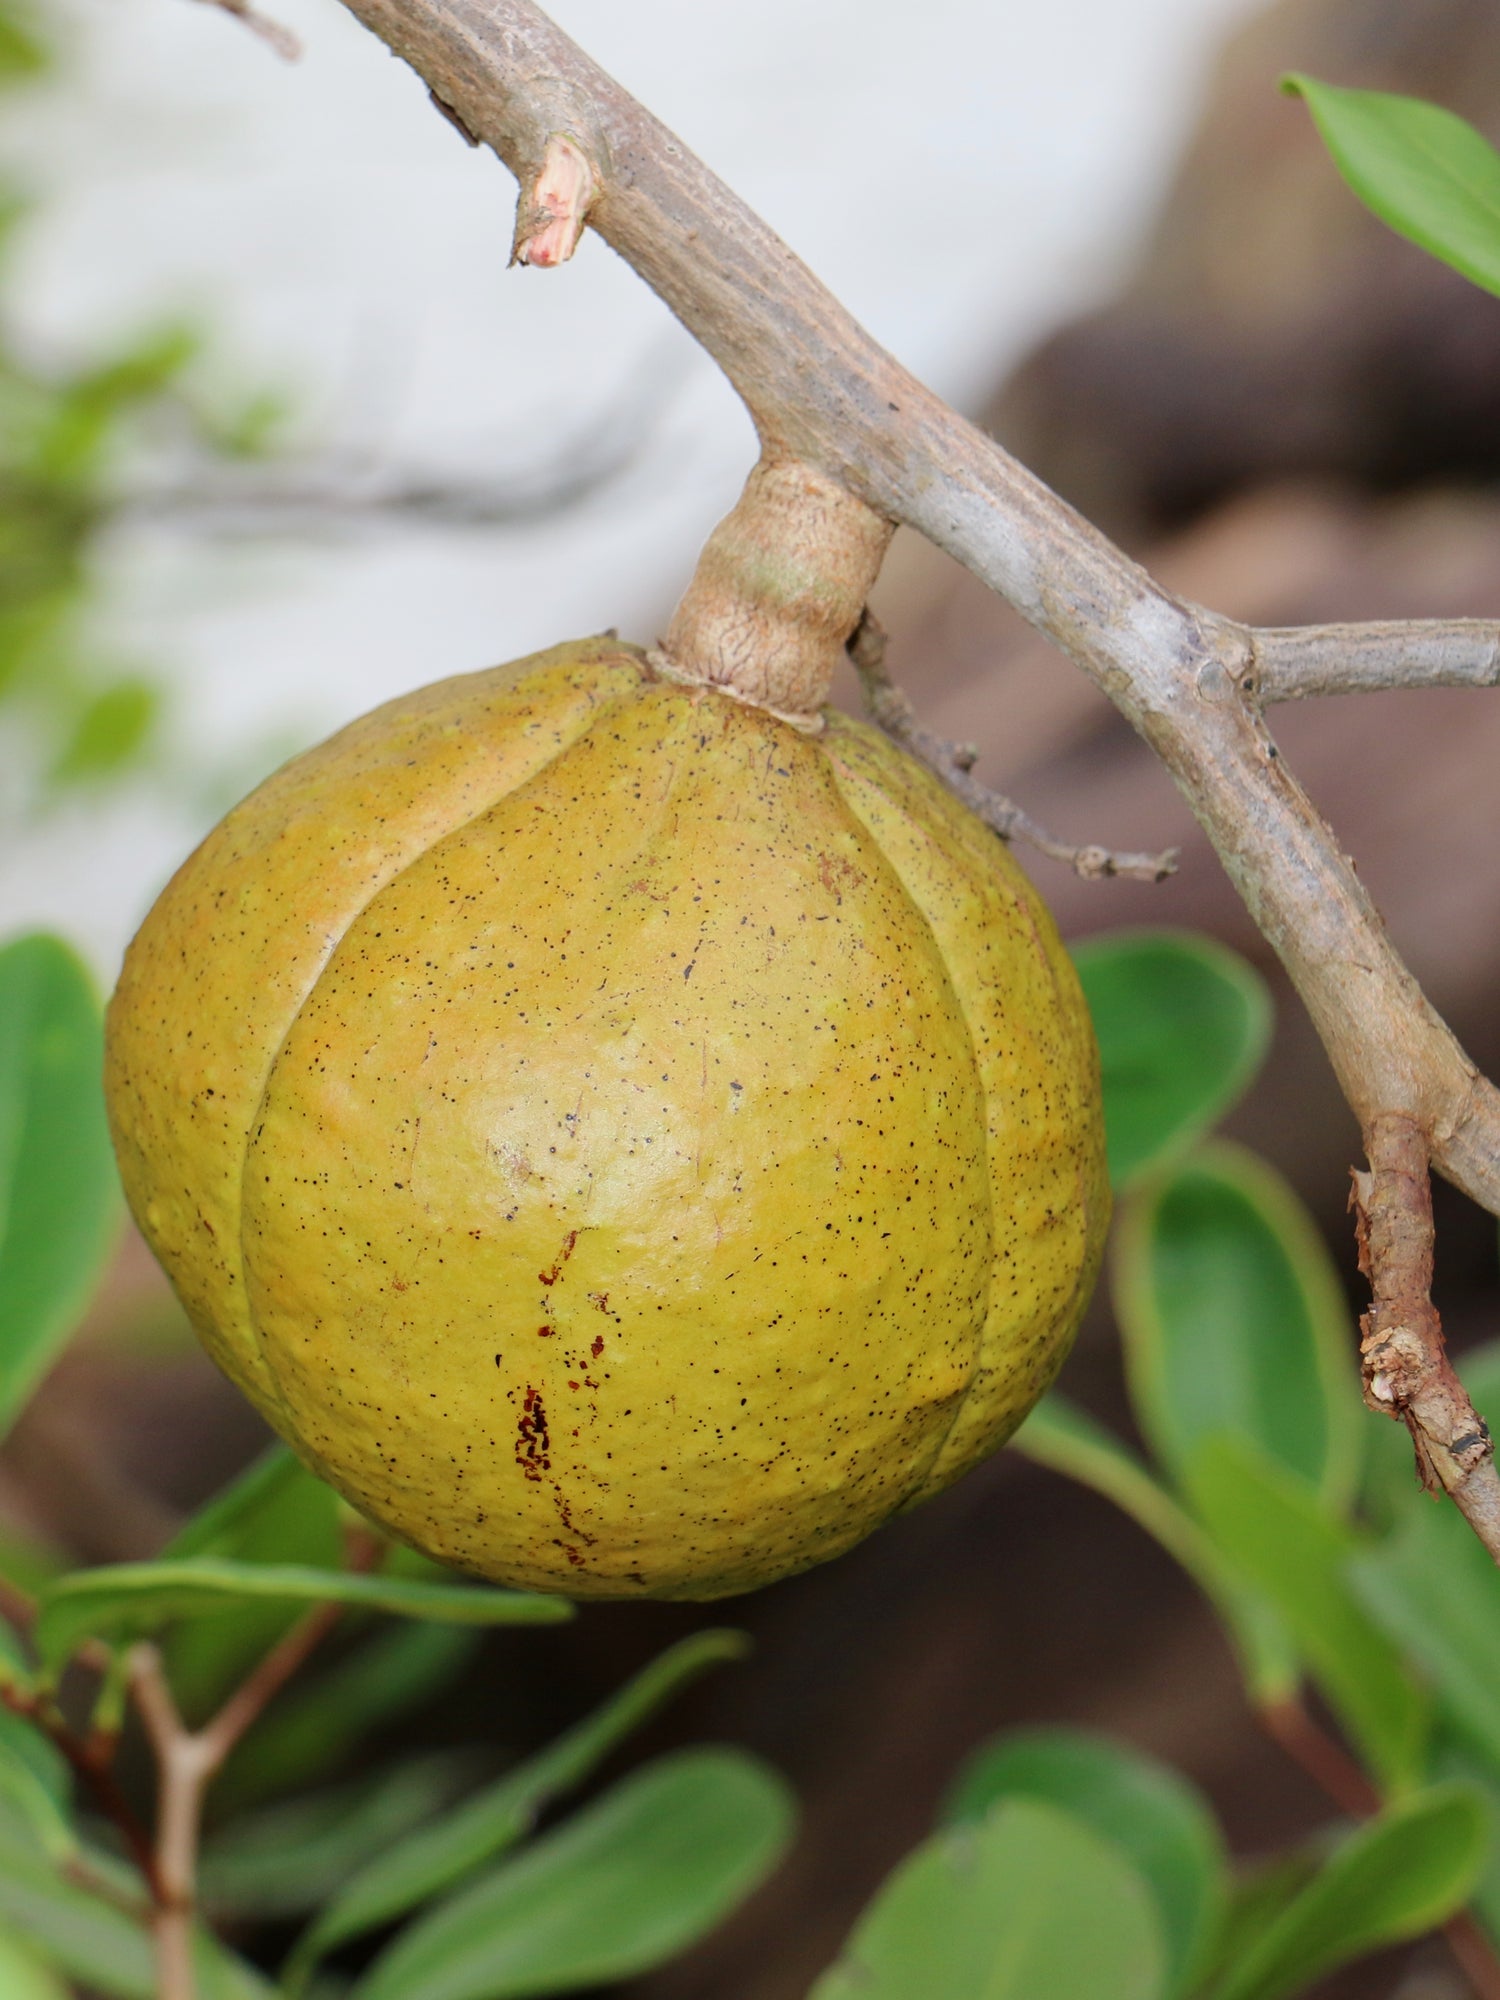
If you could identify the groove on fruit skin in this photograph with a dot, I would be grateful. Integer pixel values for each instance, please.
(595, 714)
(926, 808)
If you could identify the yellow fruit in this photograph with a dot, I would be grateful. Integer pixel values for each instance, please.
(627, 1146)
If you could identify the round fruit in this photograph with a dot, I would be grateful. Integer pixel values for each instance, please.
(626, 1145)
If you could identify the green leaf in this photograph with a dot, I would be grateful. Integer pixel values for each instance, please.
(497, 1817)
(1453, 1758)
(1183, 1025)
(23, 53)
(1234, 1321)
(130, 1599)
(316, 1725)
(96, 1942)
(1391, 1880)
(15, 1667)
(59, 1197)
(623, 1886)
(1028, 1904)
(1423, 170)
(34, 1780)
(1258, 1898)
(233, 1522)
(1159, 1823)
(1435, 1592)
(25, 1974)
(288, 1859)
(1067, 1440)
(108, 733)
(1287, 1544)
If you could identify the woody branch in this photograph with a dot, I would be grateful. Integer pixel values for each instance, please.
(1193, 683)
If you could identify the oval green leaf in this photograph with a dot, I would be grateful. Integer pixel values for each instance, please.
(288, 1859)
(60, 1206)
(131, 1599)
(97, 1943)
(1068, 1440)
(1159, 1823)
(1029, 1904)
(438, 1856)
(625, 1885)
(1183, 1025)
(1423, 170)
(1286, 1543)
(1435, 1592)
(1234, 1321)
(1390, 1880)
(35, 1784)
(25, 1974)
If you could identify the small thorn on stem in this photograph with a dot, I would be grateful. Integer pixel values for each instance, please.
(553, 208)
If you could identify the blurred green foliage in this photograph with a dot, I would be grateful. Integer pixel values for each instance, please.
(75, 716)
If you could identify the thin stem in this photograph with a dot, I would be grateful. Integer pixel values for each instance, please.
(1321, 1756)
(1336, 1774)
(182, 1776)
(218, 1737)
(953, 763)
(281, 39)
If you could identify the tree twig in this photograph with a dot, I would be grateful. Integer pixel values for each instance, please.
(953, 763)
(1294, 662)
(281, 39)
(1407, 1372)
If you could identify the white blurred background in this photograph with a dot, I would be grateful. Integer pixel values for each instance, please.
(963, 174)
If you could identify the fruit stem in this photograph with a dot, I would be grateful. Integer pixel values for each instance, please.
(780, 586)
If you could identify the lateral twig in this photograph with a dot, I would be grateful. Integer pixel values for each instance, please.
(953, 763)
(1407, 1372)
(281, 39)
(1293, 662)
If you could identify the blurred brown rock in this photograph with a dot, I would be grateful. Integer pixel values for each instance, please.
(1274, 327)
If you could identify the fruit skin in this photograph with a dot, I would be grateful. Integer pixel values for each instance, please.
(627, 1147)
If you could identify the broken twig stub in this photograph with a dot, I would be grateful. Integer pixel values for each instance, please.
(554, 205)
